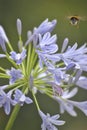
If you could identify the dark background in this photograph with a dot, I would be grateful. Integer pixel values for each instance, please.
(32, 13)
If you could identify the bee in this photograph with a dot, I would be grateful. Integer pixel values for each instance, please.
(75, 19)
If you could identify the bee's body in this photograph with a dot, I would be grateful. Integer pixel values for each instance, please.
(74, 20)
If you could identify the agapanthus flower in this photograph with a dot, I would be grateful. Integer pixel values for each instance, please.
(44, 59)
(49, 122)
(68, 105)
(59, 74)
(6, 101)
(20, 98)
(76, 55)
(18, 57)
(45, 26)
(3, 38)
(14, 74)
(47, 44)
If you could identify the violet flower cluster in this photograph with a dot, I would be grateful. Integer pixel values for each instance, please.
(39, 66)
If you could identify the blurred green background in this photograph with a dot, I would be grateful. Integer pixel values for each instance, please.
(32, 13)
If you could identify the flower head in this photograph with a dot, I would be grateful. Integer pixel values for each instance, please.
(14, 74)
(40, 67)
(50, 121)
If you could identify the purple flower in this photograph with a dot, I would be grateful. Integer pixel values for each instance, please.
(44, 60)
(59, 74)
(14, 74)
(45, 26)
(50, 121)
(20, 98)
(6, 101)
(3, 39)
(47, 44)
(68, 105)
(46, 48)
(18, 57)
(75, 55)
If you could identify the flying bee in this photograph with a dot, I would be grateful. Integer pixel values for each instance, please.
(75, 19)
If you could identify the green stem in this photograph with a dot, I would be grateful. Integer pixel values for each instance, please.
(28, 57)
(12, 117)
(37, 105)
(10, 47)
(2, 69)
(20, 43)
(14, 114)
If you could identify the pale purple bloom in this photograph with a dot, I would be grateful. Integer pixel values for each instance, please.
(3, 38)
(68, 105)
(64, 104)
(18, 57)
(6, 101)
(80, 105)
(59, 74)
(45, 26)
(47, 44)
(75, 55)
(46, 48)
(20, 98)
(19, 26)
(14, 74)
(50, 121)
(48, 59)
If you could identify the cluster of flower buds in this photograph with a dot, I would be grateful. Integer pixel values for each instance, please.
(39, 66)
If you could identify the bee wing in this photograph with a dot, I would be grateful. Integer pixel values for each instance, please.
(84, 18)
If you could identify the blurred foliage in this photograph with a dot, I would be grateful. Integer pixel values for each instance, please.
(32, 13)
